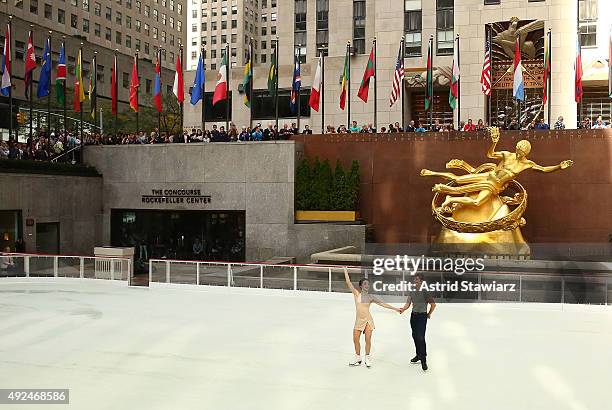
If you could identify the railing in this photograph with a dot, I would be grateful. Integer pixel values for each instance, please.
(64, 266)
(542, 288)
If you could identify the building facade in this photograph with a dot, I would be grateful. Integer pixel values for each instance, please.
(328, 25)
(102, 26)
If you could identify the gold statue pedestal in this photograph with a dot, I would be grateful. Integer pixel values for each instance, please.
(495, 244)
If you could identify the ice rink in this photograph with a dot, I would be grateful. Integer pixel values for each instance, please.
(180, 348)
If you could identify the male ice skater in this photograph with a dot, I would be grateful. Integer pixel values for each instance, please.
(419, 299)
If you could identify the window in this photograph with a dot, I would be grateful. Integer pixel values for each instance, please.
(19, 50)
(194, 28)
(118, 37)
(109, 14)
(138, 26)
(263, 58)
(19, 4)
(118, 18)
(85, 26)
(138, 6)
(155, 33)
(146, 29)
(125, 79)
(48, 11)
(97, 30)
(146, 48)
(148, 86)
(587, 21)
(155, 15)
(107, 33)
(128, 4)
(147, 11)
(34, 6)
(223, 24)
(322, 25)
(487, 2)
(97, 9)
(61, 16)
(74, 21)
(137, 44)
(413, 27)
(444, 27)
(128, 22)
(299, 39)
(128, 41)
(213, 53)
(100, 74)
(359, 18)
(86, 5)
(234, 23)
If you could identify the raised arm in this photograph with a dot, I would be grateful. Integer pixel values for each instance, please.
(491, 153)
(563, 165)
(347, 278)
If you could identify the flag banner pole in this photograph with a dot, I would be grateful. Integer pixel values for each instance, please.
(228, 101)
(137, 91)
(252, 82)
(181, 102)
(160, 94)
(348, 85)
(80, 102)
(519, 101)
(322, 91)
(276, 85)
(94, 89)
(299, 90)
(10, 58)
(115, 90)
(490, 96)
(64, 88)
(430, 83)
(375, 86)
(204, 93)
(403, 55)
(30, 85)
(49, 94)
(458, 83)
(549, 79)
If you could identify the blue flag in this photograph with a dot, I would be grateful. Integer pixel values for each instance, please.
(296, 84)
(44, 81)
(197, 91)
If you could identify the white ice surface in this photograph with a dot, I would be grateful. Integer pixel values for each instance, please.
(212, 348)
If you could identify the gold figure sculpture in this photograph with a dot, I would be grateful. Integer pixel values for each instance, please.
(473, 208)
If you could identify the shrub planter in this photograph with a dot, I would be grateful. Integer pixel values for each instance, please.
(326, 216)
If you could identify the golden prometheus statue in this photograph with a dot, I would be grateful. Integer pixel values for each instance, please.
(475, 209)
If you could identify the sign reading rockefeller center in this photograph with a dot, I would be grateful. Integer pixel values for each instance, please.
(176, 196)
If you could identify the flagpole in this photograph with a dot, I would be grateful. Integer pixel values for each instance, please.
(64, 85)
(78, 96)
(430, 83)
(137, 91)
(458, 83)
(252, 83)
(348, 84)
(403, 48)
(49, 95)
(228, 102)
(31, 83)
(322, 91)
(549, 79)
(181, 102)
(375, 86)
(160, 93)
(10, 60)
(276, 84)
(93, 98)
(299, 91)
(116, 91)
(519, 101)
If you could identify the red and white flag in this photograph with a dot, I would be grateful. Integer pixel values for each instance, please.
(30, 65)
(485, 77)
(220, 93)
(179, 88)
(134, 84)
(398, 78)
(315, 93)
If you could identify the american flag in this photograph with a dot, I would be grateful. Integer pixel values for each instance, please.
(398, 77)
(485, 78)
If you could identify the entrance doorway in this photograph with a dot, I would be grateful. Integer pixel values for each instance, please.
(48, 238)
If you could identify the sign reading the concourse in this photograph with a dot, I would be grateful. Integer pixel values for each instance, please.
(176, 196)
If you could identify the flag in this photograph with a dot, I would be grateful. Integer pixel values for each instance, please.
(518, 87)
(157, 91)
(93, 91)
(546, 70)
(485, 77)
(272, 76)
(346, 77)
(578, 70)
(296, 85)
(364, 88)
(44, 80)
(6, 63)
(79, 92)
(30, 65)
(247, 81)
(60, 76)
(197, 90)
(134, 85)
(315, 92)
(453, 96)
(178, 87)
(429, 82)
(221, 86)
(398, 78)
(114, 84)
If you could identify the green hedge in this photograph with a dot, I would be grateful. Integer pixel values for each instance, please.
(318, 188)
(44, 167)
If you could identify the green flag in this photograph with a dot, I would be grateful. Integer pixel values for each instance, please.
(272, 76)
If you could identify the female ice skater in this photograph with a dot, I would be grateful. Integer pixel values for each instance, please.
(363, 318)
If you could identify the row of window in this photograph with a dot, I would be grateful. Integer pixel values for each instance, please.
(98, 7)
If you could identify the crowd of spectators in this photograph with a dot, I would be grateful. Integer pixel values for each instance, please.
(45, 147)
